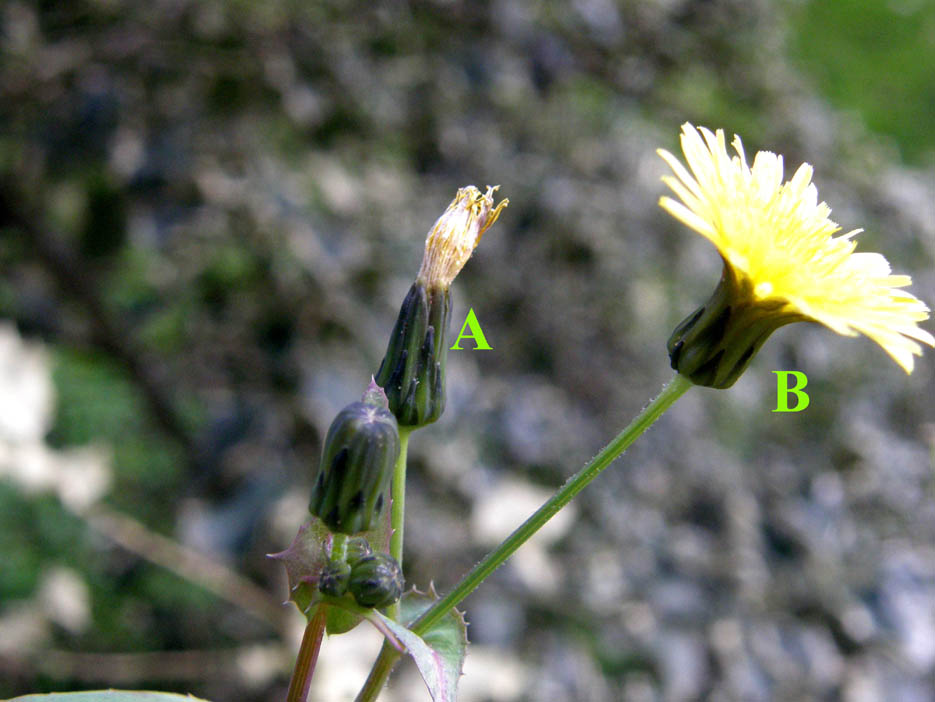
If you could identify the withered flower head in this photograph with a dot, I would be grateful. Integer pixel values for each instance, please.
(456, 234)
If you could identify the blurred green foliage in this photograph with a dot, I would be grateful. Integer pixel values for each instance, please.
(875, 57)
(97, 403)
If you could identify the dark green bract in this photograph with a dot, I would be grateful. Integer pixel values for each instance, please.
(357, 463)
(714, 345)
(413, 370)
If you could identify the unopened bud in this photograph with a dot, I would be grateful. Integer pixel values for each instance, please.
(334, 578)
(357, 463)
(376, 581)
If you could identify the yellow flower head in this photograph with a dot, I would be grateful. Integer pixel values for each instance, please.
(456, 234)
(779, 248)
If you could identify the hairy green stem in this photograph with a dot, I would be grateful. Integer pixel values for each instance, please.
(620, 443)
(308, 656)
(398, 515)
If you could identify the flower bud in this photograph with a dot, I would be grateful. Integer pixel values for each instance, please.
(413, 369)
(357, 463)
(376, 581)
(334, 578)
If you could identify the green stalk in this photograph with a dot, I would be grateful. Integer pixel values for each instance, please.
(308, 655)
(620, 443)
(398, 515)
(338, 546)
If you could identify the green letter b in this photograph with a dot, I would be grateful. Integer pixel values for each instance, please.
(783, 391)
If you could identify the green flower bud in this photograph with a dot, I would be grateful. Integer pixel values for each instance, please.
(357, 548)
(376, 581)
(334, 578)
(357, 463)
(413, 369)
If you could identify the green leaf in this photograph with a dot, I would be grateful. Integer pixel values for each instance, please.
(439, 653)
(107, 696)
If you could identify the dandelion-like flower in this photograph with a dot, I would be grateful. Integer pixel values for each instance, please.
(782, 263)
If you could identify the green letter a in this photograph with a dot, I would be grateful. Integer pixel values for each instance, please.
(480, 342)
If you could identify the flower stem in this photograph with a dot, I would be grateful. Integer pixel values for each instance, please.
(398, 515)
(338, 546)
(308, 656)
(388, 655)
(670, 393)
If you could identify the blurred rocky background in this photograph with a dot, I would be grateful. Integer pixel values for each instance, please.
(209, 214)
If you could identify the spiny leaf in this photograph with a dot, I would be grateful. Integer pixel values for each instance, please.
(439, 653)
(304, 560)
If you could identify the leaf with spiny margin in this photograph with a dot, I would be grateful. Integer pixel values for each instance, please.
(304, 560)
(439, 653)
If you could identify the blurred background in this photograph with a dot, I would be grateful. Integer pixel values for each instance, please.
(209, 215)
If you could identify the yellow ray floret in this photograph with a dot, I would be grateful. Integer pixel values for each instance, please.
(779, 237)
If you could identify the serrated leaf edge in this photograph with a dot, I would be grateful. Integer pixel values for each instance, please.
(433, 593)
